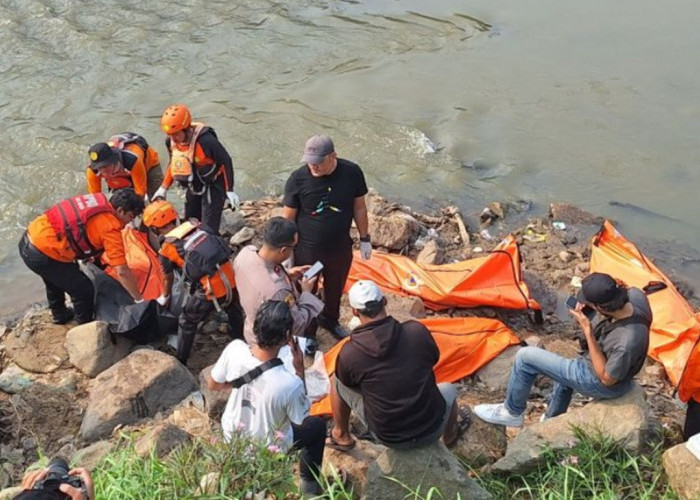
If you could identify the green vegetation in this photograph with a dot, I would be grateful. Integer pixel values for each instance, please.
(594, 467)
(238, 469)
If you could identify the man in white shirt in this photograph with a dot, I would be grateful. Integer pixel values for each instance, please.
(271, 405)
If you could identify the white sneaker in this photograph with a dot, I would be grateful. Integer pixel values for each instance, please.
(693, 445)
(497, 414)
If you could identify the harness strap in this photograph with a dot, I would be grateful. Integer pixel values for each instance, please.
(251, 375)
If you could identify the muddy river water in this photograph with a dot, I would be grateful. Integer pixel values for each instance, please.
(458, 101)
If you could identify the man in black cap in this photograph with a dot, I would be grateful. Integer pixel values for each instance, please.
(617, 348)
(323, 197)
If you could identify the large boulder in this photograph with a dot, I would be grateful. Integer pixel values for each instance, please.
(214, 401)
(624, 419)
(354, 462)
(397, 473)
(161, 440)
(92, 348)
(495, 373)
(683, 471)
(231, 222)
(91, 455)
(139, 386)
(432, 253)
(35, 344)
(394, 231)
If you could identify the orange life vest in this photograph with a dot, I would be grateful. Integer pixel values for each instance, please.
(68, 218)
(188, 160)
(218, 281)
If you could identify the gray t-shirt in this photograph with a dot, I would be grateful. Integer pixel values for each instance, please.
(625, 346)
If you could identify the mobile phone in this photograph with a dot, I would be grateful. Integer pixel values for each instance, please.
(313, 270)
(572, 302)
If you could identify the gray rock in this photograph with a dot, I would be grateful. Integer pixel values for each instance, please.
(394, 231)
(90, 456)
(92, 348)
(683, 471)
(138, 386)
(624, 419)
(496, 372)
(541, 291)
(419, 470)
(431, 254)
(231, 222)
(214, 401)
(13, 380)
(163, 439)
(243, 236)
(35, 344)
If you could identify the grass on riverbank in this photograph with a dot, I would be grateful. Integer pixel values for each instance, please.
(593, 468)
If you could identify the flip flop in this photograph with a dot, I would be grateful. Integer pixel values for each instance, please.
(464, 420)
(332, 443)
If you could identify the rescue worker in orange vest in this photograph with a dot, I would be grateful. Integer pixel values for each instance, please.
(81, 227)
(126, 160)
(199, 163)
(204, 259)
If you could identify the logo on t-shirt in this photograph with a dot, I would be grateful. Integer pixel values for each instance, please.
(325, 203)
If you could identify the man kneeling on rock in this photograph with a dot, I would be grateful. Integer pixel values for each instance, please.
(617, 348)
(384, 374)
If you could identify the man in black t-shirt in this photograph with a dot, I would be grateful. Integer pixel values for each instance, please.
(323, 197)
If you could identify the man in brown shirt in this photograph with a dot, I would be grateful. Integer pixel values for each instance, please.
(260, 276)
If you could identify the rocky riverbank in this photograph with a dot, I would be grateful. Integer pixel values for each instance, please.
(51, 375)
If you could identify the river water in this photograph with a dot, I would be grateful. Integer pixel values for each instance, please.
(458, 101)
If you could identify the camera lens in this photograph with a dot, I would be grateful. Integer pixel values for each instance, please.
(58, 467)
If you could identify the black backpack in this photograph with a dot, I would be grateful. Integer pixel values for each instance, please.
(204, 253)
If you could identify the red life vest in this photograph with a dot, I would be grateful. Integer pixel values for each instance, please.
(69, 219)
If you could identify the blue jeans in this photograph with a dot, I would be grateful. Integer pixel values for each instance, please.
(569, 375)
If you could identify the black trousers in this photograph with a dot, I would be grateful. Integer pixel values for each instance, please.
(196, 310)
(336, 267)
(310, 439)
(692, 420)
(207, 207)
(60, 278)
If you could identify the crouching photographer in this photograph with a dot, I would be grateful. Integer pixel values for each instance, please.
(57, 482)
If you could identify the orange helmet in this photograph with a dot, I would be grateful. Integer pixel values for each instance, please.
(175, 118)
(158, 214)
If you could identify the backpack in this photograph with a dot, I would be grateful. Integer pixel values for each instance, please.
(204, 254)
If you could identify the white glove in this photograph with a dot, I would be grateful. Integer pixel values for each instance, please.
(233, 199)
(146, 200)
(160, 193)
(163, 300)
(365, 250)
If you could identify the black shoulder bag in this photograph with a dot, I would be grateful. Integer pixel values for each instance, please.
(251, 375)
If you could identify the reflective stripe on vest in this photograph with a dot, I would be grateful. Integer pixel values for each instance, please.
(68, 219)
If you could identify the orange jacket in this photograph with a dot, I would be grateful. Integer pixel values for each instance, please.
(103, 231)
(136, 163)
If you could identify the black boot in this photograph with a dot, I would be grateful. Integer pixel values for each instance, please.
(61, 316)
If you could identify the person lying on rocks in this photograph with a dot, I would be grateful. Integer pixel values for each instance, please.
(384, 374)
(268, 402)
(615, 352)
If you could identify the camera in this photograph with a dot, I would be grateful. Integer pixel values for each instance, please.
(57, 475)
